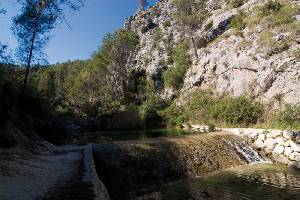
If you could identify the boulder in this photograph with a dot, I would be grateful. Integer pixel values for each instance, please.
(288, 151)
(295, 156)
(295, 164)
(261, 137)
(288, 134)
(270, 143)
(274, 134)
(280, 140)
(259, 143)
(287, 144)
(279, 149)
(253, 135)
(295, 146)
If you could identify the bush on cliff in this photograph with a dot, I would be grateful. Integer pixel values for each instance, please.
(204, 107)
(174, 77)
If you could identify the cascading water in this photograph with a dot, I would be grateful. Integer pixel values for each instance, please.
(247, 152)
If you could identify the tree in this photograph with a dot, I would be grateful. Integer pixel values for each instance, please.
(143, 4)
(113, 56)
(32, 27)
(188, 14)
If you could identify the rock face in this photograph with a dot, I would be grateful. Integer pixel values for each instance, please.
(231, 63)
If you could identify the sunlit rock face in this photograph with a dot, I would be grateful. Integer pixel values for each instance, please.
(234, 63)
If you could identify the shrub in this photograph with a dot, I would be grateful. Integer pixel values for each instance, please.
(167, 24)
(206, 108)
(237, 21)
(270, 7)
(174, 77)
(236, 3)
(173, 115)
(208, 26)
(287, 118)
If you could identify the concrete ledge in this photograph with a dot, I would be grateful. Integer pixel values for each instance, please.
(90, 176)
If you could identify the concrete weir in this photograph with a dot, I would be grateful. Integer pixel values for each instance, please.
(90, 176)
(132, 169)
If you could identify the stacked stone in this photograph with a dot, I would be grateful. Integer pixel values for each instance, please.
(283, 146)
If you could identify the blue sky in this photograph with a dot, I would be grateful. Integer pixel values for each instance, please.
(89, 25)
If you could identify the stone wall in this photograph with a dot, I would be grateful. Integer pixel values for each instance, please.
(98, 188)
(281, 146)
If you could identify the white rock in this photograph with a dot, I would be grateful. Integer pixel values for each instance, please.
(270, 143)
(287, 143)
(274, 134)
(288, 134)
(295, 156)
(279, 149)
(261, 137)
(259, 143)
(253, 135)
(288, 151)
(295, 146)
(280, 140)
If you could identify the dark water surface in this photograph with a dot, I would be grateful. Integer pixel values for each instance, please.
(108, 136)
(254, 181)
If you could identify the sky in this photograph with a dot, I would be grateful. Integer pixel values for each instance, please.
(89, 25)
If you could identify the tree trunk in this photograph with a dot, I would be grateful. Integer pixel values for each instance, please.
(30, 56)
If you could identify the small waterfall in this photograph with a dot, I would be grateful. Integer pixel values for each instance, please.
(247, 152)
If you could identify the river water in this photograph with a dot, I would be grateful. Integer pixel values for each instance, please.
(254, 181)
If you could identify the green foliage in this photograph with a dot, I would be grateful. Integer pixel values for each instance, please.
(174, 77)
(238, 21)
(173, 115)
(206, 108)
(167, 24)
(208, 26)
(272, 46)
(187, 12)
(272, 6)
(287, 118)
(236, 3)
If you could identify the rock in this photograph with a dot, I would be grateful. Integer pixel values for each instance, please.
(253, 135)
(270, 143)
(294, 164)
(287, 144)
(279, 149)
(295, 156)
(280, 141)
(295, 146)
(259, 143)
(297, 137)
(288, 151)
(288, 134)
(261, 137)
(274, 134)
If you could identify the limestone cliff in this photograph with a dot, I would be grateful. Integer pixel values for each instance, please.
(261, 59)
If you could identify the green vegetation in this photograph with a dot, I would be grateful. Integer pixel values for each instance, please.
(238, 21)
(287, 118)
(174, 77)
(236, 3)
(204, 107)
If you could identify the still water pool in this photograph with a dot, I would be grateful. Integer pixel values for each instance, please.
(254, 181)
(108, 136)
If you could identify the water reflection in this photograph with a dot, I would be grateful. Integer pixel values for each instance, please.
(259, 181)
